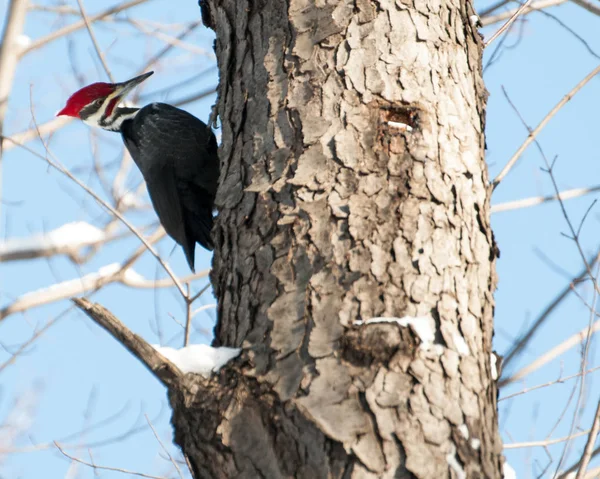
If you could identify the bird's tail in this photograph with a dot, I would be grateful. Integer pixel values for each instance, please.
(199, 227)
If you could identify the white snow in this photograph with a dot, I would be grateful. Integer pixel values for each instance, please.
(475, 444)
(474, 19)
(67, 237)
(508, 471)
(77, 286)
(23, 41)
(130, 200)
(493, 360)
(198, 358)
(133, 277)
(454, 464)
(68, 288)
(423, 326)
(400, 125)
(464, 430)
(461, 345)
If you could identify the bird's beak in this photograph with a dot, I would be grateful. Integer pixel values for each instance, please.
(125, 87)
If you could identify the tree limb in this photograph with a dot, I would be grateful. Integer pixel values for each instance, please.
(162, 368)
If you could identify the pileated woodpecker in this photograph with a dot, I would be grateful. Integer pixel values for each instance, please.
(174, 150)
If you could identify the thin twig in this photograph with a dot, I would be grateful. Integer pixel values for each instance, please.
(88, 25)
(536, 6)
(534, 133)
(46, 128)
(195, 97)
(538, 200)
(198, 294)
(493, 8)
(589, 447)
(567, 474)
(545, 442)
(29, 342)
(555, 352)
(545, 385)
(527, 337)
(113, 273)
(163, 446)
(584, 360)
(188, 319)
(105, 468)
(504, 27)
(175, 42)
(79, 25)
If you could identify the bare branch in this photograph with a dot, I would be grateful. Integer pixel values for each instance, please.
(590, 7)
(545, 442)
(163, 446)
(560, 380)
(67, 239)
(112, 273)
(63, 290)
(534, 133)
(589, 447)
(539, 5)
(195, 97)
(105, 468)
(40, 42)
(507, 25)
(9, 56)
(36, 335)
(44, 129)
(172, 41)
(526, 338)
(493, 8)
(162, 368)
(592, 474)
(88, 26)
(538, 200)
(555, 352)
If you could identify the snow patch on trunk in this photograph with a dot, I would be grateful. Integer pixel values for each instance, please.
(461, 345)
(493, 366)
(422, 326)
(459, 472)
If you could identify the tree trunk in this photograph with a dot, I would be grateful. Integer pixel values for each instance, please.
(353, 186)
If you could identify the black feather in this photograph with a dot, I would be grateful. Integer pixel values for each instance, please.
(177, 155)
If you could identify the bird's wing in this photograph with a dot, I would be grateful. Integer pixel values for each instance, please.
(194, 144)
(162, 188)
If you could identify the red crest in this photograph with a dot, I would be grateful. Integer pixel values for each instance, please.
(84, 97)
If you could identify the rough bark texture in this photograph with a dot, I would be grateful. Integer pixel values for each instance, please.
(327, 215)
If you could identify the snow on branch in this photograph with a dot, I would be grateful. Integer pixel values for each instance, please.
(198, 358)
(63, 290)
(167, 364)
(63, 240)
(112, 273)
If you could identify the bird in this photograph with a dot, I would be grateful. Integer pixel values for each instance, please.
(175, 152)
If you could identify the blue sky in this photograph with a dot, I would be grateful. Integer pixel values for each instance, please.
(76, 376)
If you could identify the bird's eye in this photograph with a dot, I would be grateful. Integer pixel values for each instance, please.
(97, 102)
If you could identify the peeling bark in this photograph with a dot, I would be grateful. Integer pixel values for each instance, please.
(330, 213)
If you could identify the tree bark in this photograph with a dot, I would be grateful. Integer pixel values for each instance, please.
(331, 211)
